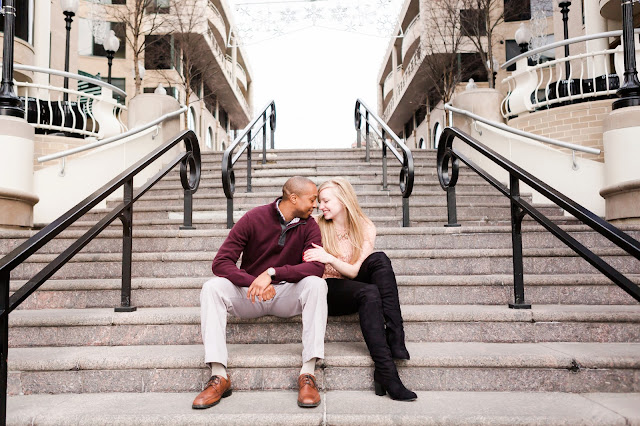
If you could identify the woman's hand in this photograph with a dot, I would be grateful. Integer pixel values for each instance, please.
(317, 254)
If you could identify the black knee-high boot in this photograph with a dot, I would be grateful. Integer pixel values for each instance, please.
(377, 269)
(385, 376)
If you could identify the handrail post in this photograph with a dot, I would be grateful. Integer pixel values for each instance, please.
(452, 209)
(229, 213)
(187, 219)
(264, 137)
(384, 162)
(517, 214)
(127, 249)
(367, 158)
(249, 161)
(358, 137)
(405, 212)
(4, 343)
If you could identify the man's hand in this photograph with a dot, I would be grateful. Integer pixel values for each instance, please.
(261, 288)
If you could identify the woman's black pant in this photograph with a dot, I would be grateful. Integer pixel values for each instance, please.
(373, 290)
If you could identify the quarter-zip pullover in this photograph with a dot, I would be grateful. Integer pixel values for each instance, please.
(264, 241)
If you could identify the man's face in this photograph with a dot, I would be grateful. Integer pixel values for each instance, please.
(307, 201)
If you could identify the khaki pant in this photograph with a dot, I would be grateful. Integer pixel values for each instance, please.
(220, 296)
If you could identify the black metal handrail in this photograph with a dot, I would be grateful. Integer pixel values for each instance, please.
(447, 154)
(245, 138)
(406, 160)
(190, 178)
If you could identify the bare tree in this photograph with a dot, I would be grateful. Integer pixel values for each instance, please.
(193, 71)
(141, 19)
(441, 43)
(479, 20)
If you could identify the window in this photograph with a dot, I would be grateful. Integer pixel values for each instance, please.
(473, 23)
(24, 20)
(87, 45)
(159, 53)
(517, 10)
(408, 128)
(224, 118)
(191, 119)
(158, 6)
(512, 50)
(421, 144)
(437, 132)
(209, 100)
(171, 91)
(470, 66)
(209, 137)
(121, 84)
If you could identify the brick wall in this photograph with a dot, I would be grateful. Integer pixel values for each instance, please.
(46, 145)
(580, 124)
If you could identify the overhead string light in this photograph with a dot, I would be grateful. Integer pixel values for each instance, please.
(257, 21)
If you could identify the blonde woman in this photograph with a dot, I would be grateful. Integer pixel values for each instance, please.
(362, 281)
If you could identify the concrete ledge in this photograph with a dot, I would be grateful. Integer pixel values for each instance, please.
(16, 207)
(337, 408)
(623, 202)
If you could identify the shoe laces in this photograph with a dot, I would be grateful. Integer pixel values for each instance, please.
(308, 380)
(214, 380)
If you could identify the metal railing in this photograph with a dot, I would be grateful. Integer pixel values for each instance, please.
(116, 138)
(82, 114)
(449, 155)
(189, 161)
(406, 159)
(501, 126)
(243, 143)
(567, 79)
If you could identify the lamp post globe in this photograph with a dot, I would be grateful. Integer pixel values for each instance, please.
(523, 37)
(69, 9)
(111, 45)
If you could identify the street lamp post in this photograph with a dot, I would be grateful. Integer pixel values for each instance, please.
(564, 9)
(629, 92)
(10, 104)
(69, 9)
(111, 45)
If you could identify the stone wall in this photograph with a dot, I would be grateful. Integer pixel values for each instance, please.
(579, 124)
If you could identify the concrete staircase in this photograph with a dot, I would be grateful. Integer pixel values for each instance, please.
(574, 358)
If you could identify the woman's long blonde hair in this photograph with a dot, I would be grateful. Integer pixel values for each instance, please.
(355, 219)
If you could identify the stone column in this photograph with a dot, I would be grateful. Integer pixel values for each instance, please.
(394, 68)
(594, 24)
(622, 174)
(17, 196)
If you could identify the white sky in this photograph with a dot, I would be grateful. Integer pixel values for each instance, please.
(315, 76)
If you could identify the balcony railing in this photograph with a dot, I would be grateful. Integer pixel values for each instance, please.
(387, 86)
(91, 112)
(217, 20)
(407, 76)
(411, 36)
(544, 85)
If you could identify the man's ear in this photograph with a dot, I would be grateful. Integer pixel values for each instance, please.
(293, 198)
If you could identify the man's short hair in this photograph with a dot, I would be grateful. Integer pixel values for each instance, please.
(295, 185)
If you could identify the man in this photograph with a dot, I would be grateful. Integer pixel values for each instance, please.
(272, 280)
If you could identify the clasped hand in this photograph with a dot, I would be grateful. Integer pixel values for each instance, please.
(261, 288)
(317, 254)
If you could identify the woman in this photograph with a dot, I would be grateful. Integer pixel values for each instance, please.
(361, 281)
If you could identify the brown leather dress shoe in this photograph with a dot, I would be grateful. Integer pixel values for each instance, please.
(216, 389)
(308, 395)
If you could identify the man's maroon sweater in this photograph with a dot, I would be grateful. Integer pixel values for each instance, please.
(263, 243)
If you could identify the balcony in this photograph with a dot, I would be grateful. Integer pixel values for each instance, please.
(411, 38)
(215, 18)
(387, 86)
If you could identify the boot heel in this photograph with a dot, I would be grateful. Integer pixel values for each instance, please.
(380, 391)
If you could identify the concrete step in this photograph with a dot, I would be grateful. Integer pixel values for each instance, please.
(373, 210)
(436, 197)
(543, 367)
(423, 323)
(405, 262)
(340, 408)
(413, 290)
(172, 240)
